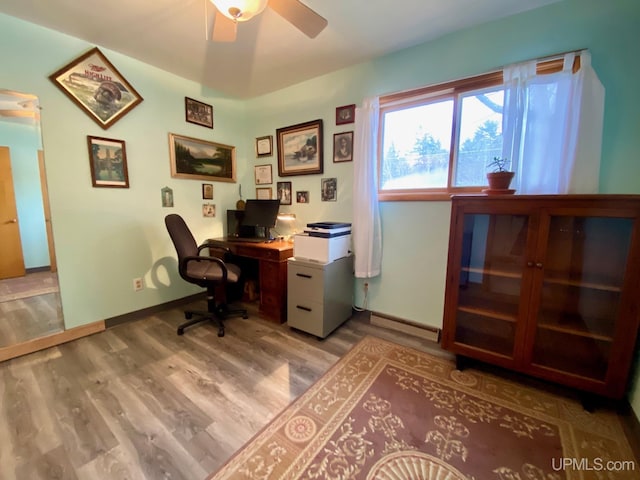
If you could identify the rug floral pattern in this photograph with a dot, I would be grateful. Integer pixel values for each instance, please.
(388, 412)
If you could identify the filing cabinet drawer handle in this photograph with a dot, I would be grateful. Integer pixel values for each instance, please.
(306, 309)
(303, 275)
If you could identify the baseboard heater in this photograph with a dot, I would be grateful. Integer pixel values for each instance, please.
(423, 331)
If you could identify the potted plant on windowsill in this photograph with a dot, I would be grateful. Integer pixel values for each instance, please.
(500, 178)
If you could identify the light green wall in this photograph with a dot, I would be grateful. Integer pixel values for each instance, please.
(415, 234)
(105, 237)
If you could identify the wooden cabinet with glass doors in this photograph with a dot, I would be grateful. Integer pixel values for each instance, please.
(548, 285)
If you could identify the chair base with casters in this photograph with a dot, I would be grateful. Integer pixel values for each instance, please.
(215, 312)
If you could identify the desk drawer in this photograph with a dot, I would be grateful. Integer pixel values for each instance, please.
(305, 283)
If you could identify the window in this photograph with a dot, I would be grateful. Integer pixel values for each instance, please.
(438, 140)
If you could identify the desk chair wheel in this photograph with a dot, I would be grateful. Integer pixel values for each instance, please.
(180, 330)
(221, 332)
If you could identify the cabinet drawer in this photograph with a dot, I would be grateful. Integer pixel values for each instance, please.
(306, 283)
(307, 316)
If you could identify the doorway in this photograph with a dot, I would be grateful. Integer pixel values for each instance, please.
(30, 304)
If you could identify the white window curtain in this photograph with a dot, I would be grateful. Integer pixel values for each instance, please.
(366, 230)
(552, 127)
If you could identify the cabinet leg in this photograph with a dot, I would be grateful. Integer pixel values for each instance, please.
(461, 362)
(590, 402)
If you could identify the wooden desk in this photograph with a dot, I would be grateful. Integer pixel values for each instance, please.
(272, 260)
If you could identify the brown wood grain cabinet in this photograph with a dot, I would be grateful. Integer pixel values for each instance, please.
(547, 285)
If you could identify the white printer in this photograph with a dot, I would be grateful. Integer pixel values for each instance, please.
(323, 242)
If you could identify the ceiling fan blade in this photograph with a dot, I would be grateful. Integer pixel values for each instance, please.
(223, 30)
(300, 16)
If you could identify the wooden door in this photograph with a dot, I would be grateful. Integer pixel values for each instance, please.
(11, 259)
(47, 212)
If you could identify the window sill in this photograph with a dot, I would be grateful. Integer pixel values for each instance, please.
(423, 196)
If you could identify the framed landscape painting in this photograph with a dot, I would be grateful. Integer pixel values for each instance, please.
(93, 84)
(108, 162)
(201, 160)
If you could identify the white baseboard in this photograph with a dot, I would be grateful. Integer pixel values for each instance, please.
(398, 324)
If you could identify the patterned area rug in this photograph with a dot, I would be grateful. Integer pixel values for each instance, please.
(388, 412)
(32, 284)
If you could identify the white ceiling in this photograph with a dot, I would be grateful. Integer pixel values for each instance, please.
(269, 53)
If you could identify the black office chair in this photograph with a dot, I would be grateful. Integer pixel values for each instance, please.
(207, 271)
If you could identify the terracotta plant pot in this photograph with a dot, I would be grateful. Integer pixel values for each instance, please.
(500, 181)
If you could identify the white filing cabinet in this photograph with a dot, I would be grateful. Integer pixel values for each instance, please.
(319, 295)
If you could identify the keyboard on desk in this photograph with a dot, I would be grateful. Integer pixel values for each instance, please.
(247, 240)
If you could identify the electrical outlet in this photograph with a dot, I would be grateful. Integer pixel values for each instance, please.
(137, 284)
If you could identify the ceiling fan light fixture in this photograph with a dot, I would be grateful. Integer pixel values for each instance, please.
(240, 10)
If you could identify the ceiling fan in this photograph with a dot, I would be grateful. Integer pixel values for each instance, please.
(230, 12)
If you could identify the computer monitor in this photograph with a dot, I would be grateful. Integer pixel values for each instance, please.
(261, 214)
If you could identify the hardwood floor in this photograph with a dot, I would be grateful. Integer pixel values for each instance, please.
(30, 308)
(28, 318)
(139, 402)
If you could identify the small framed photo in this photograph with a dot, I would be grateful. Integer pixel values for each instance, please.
(108, 161)
(345, 114)
(198, 112)
(300, 149)
(208, 210)
(302, 196)
(167, 197)
(214, 162)
(97, 87)
(207, 191)
(263, 174)
(342, 147)
(264, 146)
(329, 189)
(284, 193)
(264, 193)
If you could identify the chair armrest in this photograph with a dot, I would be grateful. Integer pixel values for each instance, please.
(214, 246)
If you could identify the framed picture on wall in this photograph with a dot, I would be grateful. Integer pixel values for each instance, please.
(108, 161)
(207, 191)
(264, 193)
(346, 114)
(167, 196)
(302, 196)
(95, 85)
(214, 161)
(329, 189)
(300, 149)
(264, 146)
(208, 210)
(284, 193)
(198, 112)
(342, 147)
(263, 174)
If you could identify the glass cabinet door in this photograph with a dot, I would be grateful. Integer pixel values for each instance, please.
(492, 263)
(583, 273)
